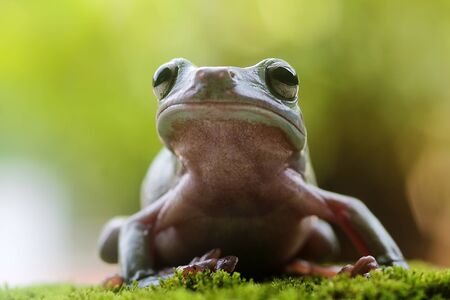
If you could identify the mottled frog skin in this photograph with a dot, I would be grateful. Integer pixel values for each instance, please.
(235, 174)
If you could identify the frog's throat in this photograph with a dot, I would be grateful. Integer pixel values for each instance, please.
(180, 113)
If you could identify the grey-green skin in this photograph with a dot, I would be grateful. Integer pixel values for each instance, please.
(235, 174)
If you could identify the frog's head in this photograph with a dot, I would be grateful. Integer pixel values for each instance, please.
(265, 94)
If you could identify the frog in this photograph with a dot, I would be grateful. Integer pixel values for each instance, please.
(234, 183)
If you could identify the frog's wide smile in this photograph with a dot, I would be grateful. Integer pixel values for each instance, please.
(179, 114)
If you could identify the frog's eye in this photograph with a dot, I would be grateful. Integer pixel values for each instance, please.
(164, 79)
(282, 81)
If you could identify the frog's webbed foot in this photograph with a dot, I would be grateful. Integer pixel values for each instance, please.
(142, 278)
(114, 282)
(362, 267)
(210, 261)
(306, 268)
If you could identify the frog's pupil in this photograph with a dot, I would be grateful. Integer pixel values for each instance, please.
(285, 76)
(163, 76)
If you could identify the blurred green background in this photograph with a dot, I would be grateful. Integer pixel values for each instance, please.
(77, 113)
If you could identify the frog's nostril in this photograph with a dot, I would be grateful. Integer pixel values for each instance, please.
(223, 74)
(214, 74)
(214, 82)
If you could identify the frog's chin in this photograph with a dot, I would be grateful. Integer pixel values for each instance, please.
(174, 117)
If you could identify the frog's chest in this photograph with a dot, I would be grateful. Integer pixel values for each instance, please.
(254, 222)
(231, 195)
(265, 241)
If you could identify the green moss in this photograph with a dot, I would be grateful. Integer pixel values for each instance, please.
(420, 282)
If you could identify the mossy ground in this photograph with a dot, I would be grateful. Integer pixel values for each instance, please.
(420, 282)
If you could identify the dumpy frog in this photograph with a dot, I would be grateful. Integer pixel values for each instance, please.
(235, 180)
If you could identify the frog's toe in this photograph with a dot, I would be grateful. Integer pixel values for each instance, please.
(227, 263)
(198, 266)
(210, 261)
(305, 268)
(362, 267)
(114, 282)
(213, 253)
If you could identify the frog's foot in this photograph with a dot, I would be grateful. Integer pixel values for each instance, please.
(362, 267)
(142, 278)
(303, 267)
(114, 282)
(210, 261)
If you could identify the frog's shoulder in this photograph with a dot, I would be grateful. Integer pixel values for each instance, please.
(160, 176)
(310, 175)
(304, 166)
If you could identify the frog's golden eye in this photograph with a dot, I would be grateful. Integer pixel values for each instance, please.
(164, 79)
(282, 81)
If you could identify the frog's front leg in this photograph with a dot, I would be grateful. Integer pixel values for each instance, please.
(136, 255)
(352, 216)
(137, 245)
(363, 228)
(127, 240)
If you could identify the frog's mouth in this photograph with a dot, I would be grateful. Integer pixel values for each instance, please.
(176, 116)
